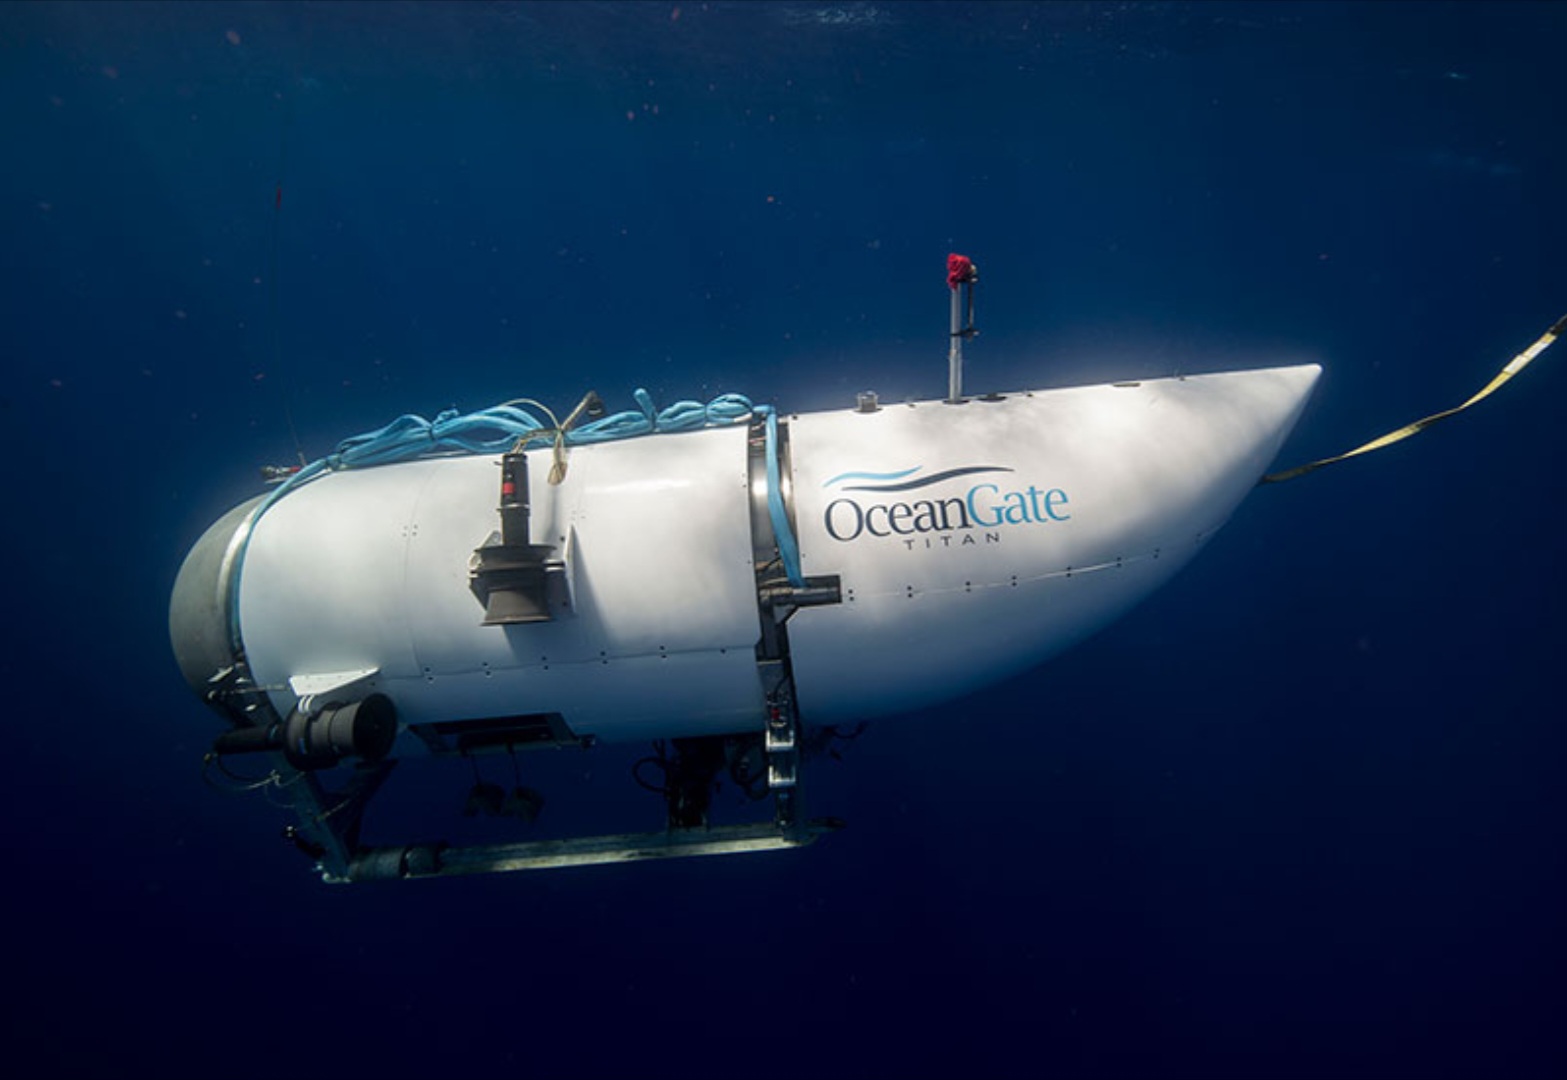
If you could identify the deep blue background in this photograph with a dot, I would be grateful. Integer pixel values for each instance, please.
(1302, 814)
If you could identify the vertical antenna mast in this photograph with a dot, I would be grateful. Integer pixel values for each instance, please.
(962, 275)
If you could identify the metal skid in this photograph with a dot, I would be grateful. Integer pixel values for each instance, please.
(330, 823)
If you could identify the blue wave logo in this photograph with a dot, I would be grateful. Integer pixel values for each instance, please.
(888, 481)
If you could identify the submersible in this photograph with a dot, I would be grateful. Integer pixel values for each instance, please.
(734, 583)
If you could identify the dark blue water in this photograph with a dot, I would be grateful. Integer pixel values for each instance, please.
(1302, 814)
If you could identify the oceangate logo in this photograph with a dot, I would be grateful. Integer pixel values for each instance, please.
(988, 506)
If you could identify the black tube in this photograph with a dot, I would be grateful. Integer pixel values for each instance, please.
(514, 499)
(364, 729)
(249, 740)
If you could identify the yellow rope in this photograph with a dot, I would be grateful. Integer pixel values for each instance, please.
(1517, 364)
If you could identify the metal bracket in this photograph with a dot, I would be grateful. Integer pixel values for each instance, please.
(783, 754)
(439, 860)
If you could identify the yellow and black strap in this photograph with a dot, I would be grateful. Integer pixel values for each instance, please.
(1517, 364)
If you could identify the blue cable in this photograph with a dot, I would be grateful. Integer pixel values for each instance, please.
(788, 550)
(501, 427)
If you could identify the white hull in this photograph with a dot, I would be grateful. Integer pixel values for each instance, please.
(1059, 510)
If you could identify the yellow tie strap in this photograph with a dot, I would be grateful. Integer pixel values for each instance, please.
(1514, 366)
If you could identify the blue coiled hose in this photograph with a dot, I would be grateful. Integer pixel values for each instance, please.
(502, 427)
